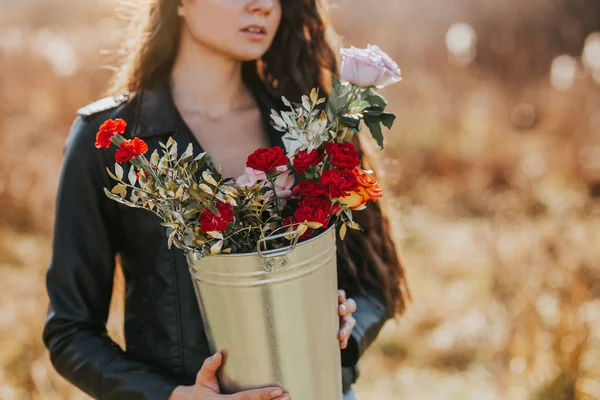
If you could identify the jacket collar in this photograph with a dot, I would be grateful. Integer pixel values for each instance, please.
(156, 113)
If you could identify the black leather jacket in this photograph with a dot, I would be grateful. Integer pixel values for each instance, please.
(165, 340)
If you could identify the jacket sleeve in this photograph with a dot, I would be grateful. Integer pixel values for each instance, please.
(370, 317)
(80, 278)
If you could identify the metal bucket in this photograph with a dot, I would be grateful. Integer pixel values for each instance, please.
(274, 313)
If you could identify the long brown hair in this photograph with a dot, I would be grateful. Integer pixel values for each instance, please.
(300, 58)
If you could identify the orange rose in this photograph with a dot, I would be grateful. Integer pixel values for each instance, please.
(369, 190)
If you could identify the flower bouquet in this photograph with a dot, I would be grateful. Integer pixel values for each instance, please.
(262, 245)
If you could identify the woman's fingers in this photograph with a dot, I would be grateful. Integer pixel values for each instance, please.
(270, 393)
(346, 330)
(347, 308)
(206, 375)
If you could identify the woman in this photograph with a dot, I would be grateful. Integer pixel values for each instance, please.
(199, 71)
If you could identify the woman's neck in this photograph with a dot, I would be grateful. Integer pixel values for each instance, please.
(206, 82)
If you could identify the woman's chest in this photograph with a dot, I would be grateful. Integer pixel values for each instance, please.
(230, 140)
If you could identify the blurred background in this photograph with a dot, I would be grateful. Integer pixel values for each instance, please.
(492, 172)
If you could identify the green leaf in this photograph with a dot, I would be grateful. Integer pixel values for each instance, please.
(141, 194)
(343, 231)
(199, 156)
(205, 188)
(355, 226)
(171, 239)
(348, 213)
(287, 119)
(388, 119)
(286, 102)
(215, 234)
(213, 209)
(111, 174)
(172, 148)
(154, 158)
(351, 120)
(376, 100)
(277, 119)
(196, 193)
(314, 225)
(360, 105)
(132, 176)
(337, 84)
(187, 155)
(216, 248)
(120, 190)
(188, 236)
(119, 171)
(115, 197)
(331, 112)
(306, 103)
(374, 112)
(373, 123)
(171, 142)
(209, 178)
(302, 228)
(177, 217)
(271, 176)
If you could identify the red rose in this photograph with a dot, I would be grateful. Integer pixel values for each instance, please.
(107, 130)
(369, 190)
(304, 159)
(339, 182)
(267, 160)
(314, 209)
(210, 222)
(343, 155)
(130, 149)
(310, 189)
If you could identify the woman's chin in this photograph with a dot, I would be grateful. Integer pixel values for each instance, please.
(248, 53)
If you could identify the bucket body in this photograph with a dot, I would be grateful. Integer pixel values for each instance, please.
(274, 314)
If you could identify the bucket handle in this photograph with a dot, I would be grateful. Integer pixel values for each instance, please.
(278, 252)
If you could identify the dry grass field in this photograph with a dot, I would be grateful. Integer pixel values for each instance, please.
(492, 172)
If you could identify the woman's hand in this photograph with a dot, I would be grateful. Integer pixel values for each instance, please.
(207, 387)
(347, 324)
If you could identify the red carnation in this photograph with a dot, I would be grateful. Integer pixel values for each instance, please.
(310, 189)
(303, 159)
(130, 149)
(137, 175)
(210, 222)
(109, 129)
(339, 182)
(314, 209)
(343, 155)
(225, 211)
(267, 160)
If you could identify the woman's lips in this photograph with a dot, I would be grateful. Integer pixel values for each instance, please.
(255, 32)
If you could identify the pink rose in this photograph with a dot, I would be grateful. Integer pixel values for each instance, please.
(283, 183)
(369, 67)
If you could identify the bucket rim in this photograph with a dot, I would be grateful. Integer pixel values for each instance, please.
(255, 253)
